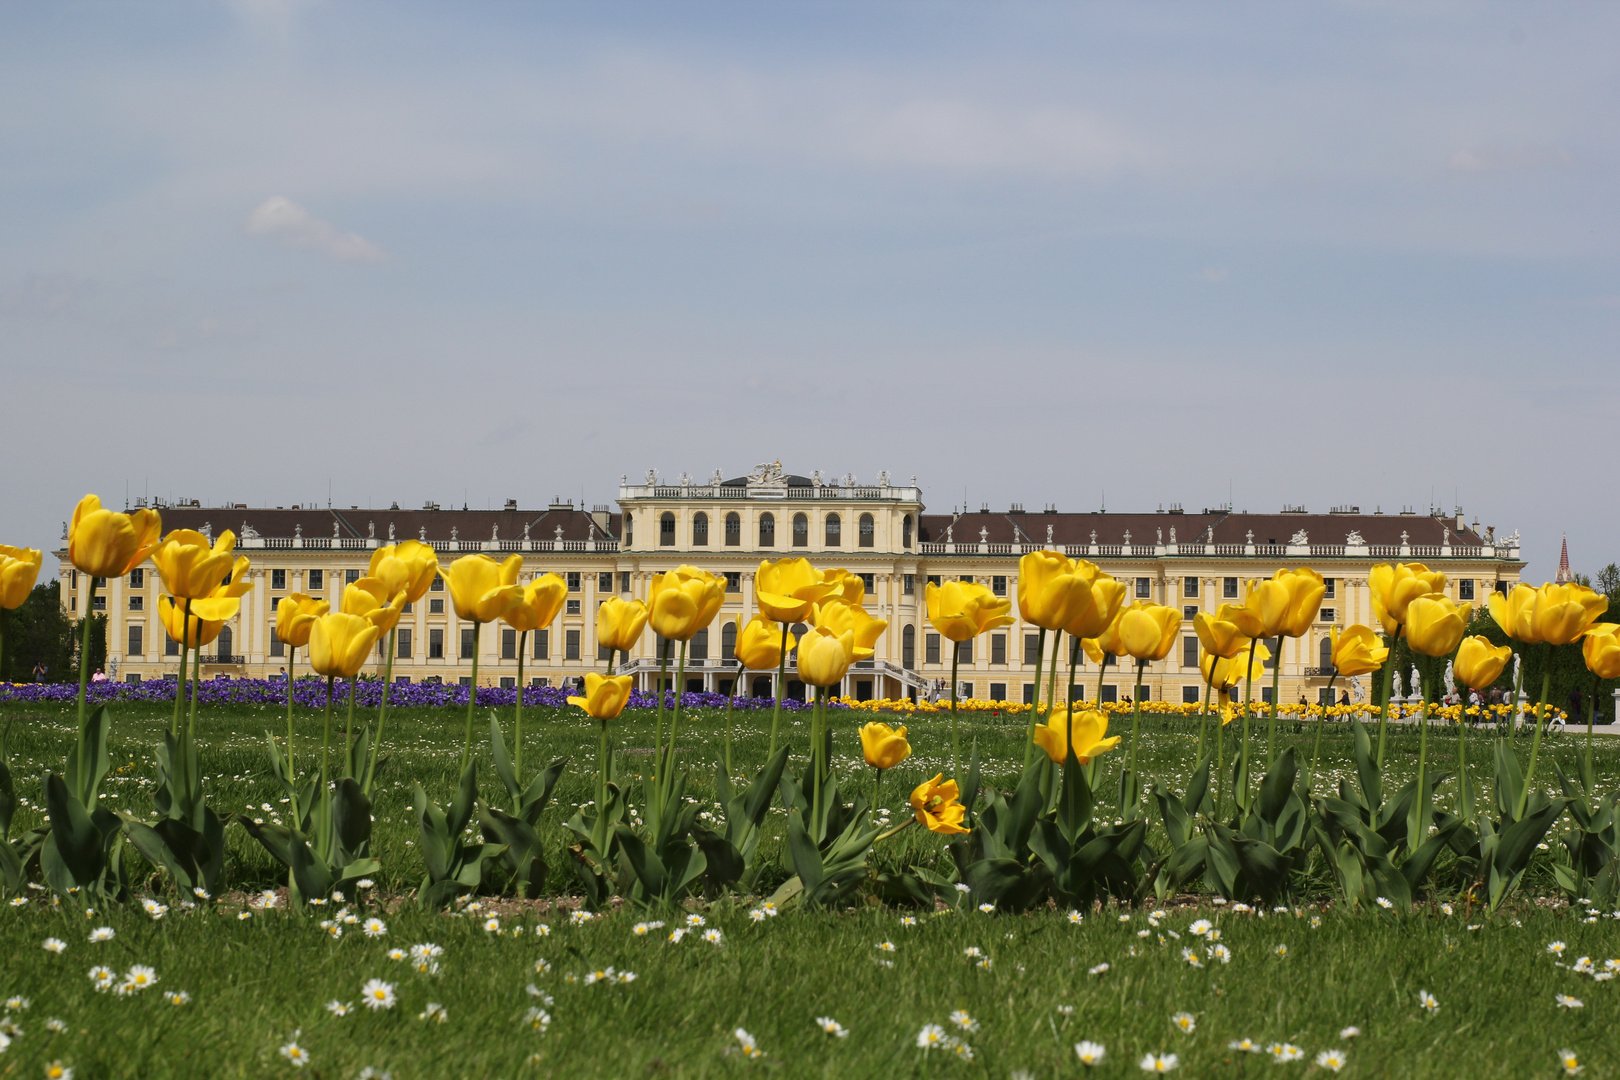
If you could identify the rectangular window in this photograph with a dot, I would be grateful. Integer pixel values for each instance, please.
(573, 581)
(1032, 648)
(1189, 695)
(1189, 587)
(964, 651)
(465, 680)
(1332, 588)
(1189, 651)
(965, 577)
(570, 644)
(138, 603)
(1265, 694)
(277, 648)
(136, 644)
(734, 581)
(998, 691)
(437, 584)
(466, 643)
(998, 654)
(1190, 612)
(604, 581)
(933, 579)
(171, 647)
(1029, 693)
(542, 644)
(317, 580)
(402, 642)
(350, 577)
(436, 605)
(436, 643)
(278, 579)
(573, 607)
(1077, 692)
(508, 682)
(1144, 588)
(1275, 647)
(132, 678)
(1110, 692)
(998, 585)
(1229, 588)
(406, 610)
(909, 585)
(624, 581)
(1328, 614)
(930, 648)
(698, 648)
(869, 581)
(508, 643)
(98, 603)
(1465, 589)
(603, 652)
(137, 578)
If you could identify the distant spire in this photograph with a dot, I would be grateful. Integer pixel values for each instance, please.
(1564, 577)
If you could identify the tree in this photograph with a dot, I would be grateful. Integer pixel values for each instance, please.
(40, 632)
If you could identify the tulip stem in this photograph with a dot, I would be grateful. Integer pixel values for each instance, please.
(1074, 658)
(326, 792)
(675, 720)
(1271, 731)
(1136, 714)
(1203, 717)
(517, 719)
(382, 709)
(1242, 785)
(180, 683)
(731, 697)
(1465, 798)
(1035, 706)
(84, 656)
(348, 728)
(956, 741)
(1591, 706)
(1389, 692)
(663, 674)
(292, 772)
(781, 682)
(1051, 681)
(599, 833)
(877, 782)
(472, 699)
(1220, 761)
(1418, 822)
(1535, 740)
(1321, 721)
(196, 679)
(1102, 670)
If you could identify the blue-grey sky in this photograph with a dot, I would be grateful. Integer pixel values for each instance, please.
(1320, 253)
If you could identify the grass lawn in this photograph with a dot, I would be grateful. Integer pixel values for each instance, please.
(253, 982)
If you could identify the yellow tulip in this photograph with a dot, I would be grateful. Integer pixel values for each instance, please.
(1395, 586)
(1479, 663)
(844, 588)
(295, 617)
(1286, 604)
(1107, 597)
(542, 599)
(483, 589)
(936, 805)
(1601, 650)
(838, 616)
(1358, 651)
(684, 601)
(195, 632)
(605, 697)
(1515, 613)
(408, 567)
(883, 746)
(1221, 672)
(102, 543)
(1089, 728)
(224, 599)
(369, 598)
(1148, 631)
(619, 623)
(1050, 593)
(787, 589)
(19, 568)
(1222, 633)
(340, 644)
(1565, 612)
(191, 567)
(1435, 624)
(961, 609)
(824, 657)
(759, 643)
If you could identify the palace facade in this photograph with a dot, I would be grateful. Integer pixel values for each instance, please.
(882, 531)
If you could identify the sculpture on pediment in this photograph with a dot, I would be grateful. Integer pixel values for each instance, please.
(495, 531)
(716, 480)
(421, 534)
(1445, 536)
(249, 532)
(208, 530)
(559, 534)
(371, 529)
(1248, 537)
(848, 480)
(453, 532)
(525, 531)
(948, 529)
(883, 478)
(1172, 534)
(1048, 532)
(336, 530)
(767, 472)
(390, 532)
(1093, 536)
(1300, 538)
(816, 479)
(1158, 537)
(1403, 537)
(984, 534)
(1127, 538)
(1354, 539)
(298, 531)
(652, 477)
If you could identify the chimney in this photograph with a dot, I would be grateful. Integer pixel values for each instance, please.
(511, 505)
(1462, 520)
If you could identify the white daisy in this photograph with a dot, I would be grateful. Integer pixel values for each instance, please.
(746, 1045)
(1090, 1053)
(1159, 1063)
(102, 933)
(377, 994)
(537, 1020)
(1570, 1063)
(1350, 1032)
(1098, 970)
(1283, 1053)
(177, 997)
(434, 1011)
(1244, 1046)
(55, 1070)
(963, 1021)
(55, 945)
(832, 1027)
(339, 1008)
(931, 1036)
(102, 977)
(375, 927)
(1564, 1001)
(141, 977)
(1185, 1022)
(1427, 1001)
(296, 1055)
(1333, 1060)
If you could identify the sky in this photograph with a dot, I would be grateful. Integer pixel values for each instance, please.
(275, 252)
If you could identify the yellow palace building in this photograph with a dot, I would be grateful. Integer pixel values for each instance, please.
(881, 531)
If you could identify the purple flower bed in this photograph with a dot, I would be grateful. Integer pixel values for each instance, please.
(310, 692)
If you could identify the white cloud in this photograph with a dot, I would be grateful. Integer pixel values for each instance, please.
(279, 218)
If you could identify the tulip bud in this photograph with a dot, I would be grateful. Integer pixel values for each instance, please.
(1357, 651)
(19, 569)
(788, 589)
(194, 632)
(409, 567)
(759, 644)
(1086, 728)
(605, 697)
(961, 609)
(542, 599)
(1601, 650)
(340, 644)
(619, 623)
(824, 657)
(295, 618)
(102, 543)
(1479, 663)
(884, 747)
(684, 601)
(1147, 631)
(1435, 625)
(481, 588)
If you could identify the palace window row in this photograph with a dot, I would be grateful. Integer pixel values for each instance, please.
(832, 530)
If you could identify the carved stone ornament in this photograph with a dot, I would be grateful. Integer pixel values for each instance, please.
(883, 478)
(453, 532)
(525, 530)
(1172, 534)
(1354, 539)
(1300, 538)
(1158, 537)
(1248, 537)
(298, 531)
(652, 477)
(371, 529)
(1049, 532)
(421, 534)
(559, 534)
(1445, 536)
(249, 532)
(1127, 538)
(767, 472)
(390, 532)
(984, 534)
(208, 530)
(948, 529)
(1403, 536)
(335, 532)
(495, 531)
(1093, 536)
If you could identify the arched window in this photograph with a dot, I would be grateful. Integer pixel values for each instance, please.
(908, 648)
(728, 640)
(868, 530)
(1325, 655)
(700, 529)
(698, 649)
(666, 529)
(767, 529)
(801, 530)
(798, 630)
(733, 530)
(835, 531)
(225, 644)
(905, 532)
